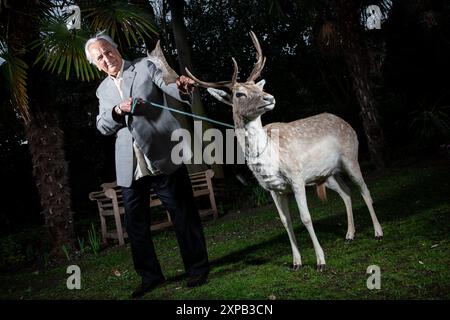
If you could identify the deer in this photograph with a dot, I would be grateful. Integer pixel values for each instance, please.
(313, 151)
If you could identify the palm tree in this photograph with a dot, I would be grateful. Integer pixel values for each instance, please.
(34, 38)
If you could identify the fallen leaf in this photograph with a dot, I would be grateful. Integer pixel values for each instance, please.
(421, 262)
(434, 246)
(272, 297)
(116, 273)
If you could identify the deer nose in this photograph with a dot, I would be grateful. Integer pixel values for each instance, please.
(269, 98)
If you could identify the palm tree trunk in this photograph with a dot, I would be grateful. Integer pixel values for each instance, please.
(357, 59)
(44, 137)
(50, 171)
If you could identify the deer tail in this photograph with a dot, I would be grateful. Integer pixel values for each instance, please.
(321, 191)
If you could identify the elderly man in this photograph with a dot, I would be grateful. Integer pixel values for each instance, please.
(143, 159)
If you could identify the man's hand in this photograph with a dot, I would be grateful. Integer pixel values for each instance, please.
(185, 84)
(124, 106)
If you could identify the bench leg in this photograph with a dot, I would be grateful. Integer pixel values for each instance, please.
(119, 229)
(103, 229)
(168, 217)
(209, 174)
(212, 199)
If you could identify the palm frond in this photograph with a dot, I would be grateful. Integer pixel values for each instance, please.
(121, 18)
(14, 71)
(62, 49)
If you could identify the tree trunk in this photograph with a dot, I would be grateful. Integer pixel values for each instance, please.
(357, 59)
(44, 137)
(185, 61)
(50, 171)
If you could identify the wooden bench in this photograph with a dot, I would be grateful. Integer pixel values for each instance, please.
(110, 204)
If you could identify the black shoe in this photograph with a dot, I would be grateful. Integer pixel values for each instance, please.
(142, 289)
(196, 281)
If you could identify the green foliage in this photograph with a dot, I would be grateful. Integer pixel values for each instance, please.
(14, 74)
(260, 196)
(81, 245)
(23, 249)
(240, 197)
(431, 125)
(10, 254)
(220, 209)
(63, 49)
(94, 240)
(120, 18)
(66, 250)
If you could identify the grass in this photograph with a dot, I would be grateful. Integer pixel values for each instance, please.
(251, 256)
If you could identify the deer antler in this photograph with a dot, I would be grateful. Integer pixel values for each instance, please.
(235, 73)
(205, 84)
(230, 84)
(220, 84)
(260, 59)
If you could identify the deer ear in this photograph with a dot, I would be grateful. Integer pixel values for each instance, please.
(261, 83)
(220, 95)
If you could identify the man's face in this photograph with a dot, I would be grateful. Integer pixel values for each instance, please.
(106, 57)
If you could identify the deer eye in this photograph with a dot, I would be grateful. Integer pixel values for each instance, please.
(240, 94)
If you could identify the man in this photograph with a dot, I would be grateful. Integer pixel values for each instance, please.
(143, 159)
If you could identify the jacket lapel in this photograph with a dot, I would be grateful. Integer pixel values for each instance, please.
(128, 78)
(113, 93)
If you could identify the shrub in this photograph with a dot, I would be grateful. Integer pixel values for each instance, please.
(24, 248)
(11, 254)
(260, 196)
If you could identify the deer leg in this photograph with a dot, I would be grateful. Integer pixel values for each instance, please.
(337, 184)
(354, 172)
(300, 197)
(281, 202)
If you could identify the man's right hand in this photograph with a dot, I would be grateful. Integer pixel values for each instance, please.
(124, 106)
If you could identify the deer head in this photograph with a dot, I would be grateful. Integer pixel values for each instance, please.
(248, 99)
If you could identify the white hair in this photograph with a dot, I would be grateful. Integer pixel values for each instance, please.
(98, 36)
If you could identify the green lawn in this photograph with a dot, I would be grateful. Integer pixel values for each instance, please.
(251, 255)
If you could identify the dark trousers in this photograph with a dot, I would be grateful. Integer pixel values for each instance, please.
(175, 192)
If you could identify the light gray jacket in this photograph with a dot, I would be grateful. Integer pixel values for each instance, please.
(149, 126)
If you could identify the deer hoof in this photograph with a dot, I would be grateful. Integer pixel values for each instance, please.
(296, 267)
(320, 267)
(378, 238)
(348, 241)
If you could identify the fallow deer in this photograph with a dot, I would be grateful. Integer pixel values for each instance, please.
(305, 152)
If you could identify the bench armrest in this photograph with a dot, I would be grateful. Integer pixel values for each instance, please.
(111, 193)
(209, 173)
(96, 195)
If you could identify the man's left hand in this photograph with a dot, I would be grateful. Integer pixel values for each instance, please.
(185, 84)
